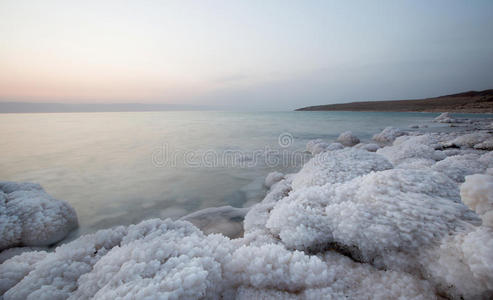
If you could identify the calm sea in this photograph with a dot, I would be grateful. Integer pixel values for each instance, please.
(121, 168)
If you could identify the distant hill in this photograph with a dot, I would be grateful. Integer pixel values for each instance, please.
(468, 102)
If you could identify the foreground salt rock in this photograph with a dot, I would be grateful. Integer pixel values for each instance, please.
(337, 166)
(31, 217)
(351, 224)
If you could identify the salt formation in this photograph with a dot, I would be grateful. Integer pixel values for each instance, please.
(225, 219)
(485, 145)
(31, 217)
(347, 139)
(351, 224)
(272, 178)
(333, 166)
(388, 135)
(477, 193)
(445, 118)
(470, 140)
(368, 147)
(316, 146)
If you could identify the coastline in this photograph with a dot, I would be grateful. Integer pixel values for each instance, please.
(468, 102)
(406, 209)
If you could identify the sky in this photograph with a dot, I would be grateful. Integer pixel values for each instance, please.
(243, 55)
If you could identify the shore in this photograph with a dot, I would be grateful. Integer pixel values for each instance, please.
(468, 102)
(406, 214)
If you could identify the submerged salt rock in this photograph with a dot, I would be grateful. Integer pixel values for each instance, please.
(31, 217)
(388, 135)
(227, 220)
(413, 126)
(347, 139)
(272, 178)
(338, 166)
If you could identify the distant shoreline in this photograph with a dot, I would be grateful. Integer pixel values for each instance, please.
(468, 102)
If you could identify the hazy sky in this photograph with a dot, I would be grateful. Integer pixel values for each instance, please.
(243, 54)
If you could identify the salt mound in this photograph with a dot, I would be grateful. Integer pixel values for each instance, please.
(445, 118)
(458, 166)
(468, 140)
(371, 215)
(477, 193)
(388, 135)
(335, 146)
(227, 220)
(409, 148)
(347, 139)
(166, 259)
(316, 146)
(368, 147)
(31, 217)
(272, 178)
(485, 145)
(338, 166)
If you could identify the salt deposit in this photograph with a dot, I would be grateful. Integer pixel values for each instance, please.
(31, 217)
(347, 139)
(388, 135)
(412, 221)
(316, 146)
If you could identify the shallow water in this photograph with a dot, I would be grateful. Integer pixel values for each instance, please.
(121, 168)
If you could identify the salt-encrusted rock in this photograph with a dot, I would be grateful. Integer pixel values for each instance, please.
(272, 178)
(406, 148)
(334, 146)
(485, 145)
(338, 166)
(368, 147)
(11, 252)
(347, 139)
(458, 166)
(375, 213)
(227, 220)
(445, 118)
(16, 268)
(388, 135)
(468, 140)
(413, 126)
(31, 217)
(477, 193)
(316, 146)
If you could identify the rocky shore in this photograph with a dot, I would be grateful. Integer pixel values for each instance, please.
(406, 215)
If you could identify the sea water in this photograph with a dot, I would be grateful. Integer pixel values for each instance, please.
(123, 167)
